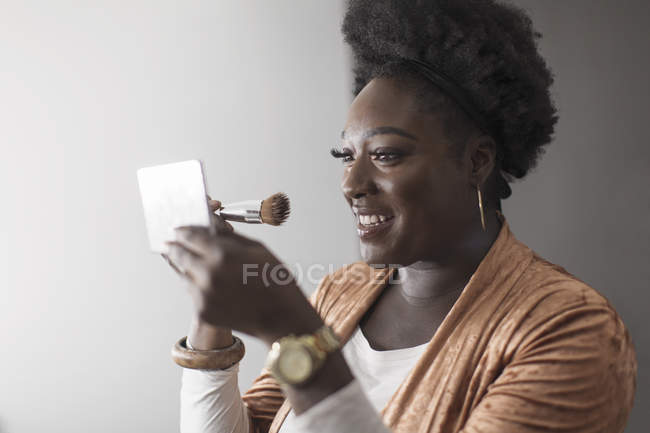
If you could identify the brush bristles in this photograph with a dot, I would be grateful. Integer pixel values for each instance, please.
(275, 209)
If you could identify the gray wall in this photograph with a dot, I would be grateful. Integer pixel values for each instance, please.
(587, 206)
(91, 93)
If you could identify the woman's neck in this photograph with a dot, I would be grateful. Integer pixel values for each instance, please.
(423, 282)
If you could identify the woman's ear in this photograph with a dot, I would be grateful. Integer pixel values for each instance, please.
(482, 158)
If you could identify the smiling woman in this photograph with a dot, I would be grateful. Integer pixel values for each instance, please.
(397, 163)
(448, 323)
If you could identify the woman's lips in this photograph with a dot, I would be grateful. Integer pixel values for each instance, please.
(369, 232)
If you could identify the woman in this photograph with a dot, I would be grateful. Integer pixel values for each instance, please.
(449, 323)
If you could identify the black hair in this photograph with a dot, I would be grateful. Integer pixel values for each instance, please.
(489, 49)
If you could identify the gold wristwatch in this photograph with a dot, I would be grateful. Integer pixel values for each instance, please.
(293, 360)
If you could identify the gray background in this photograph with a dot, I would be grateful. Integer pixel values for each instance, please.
(89, 92)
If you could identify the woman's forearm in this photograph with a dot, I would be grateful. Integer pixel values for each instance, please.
(333, 375)
(205, 393)
(203, 336)
(347, 411)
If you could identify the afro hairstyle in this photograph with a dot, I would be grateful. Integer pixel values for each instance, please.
(489, 49)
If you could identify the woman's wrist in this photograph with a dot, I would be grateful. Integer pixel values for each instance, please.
(298, 318)
(203, 336)
(333, 375)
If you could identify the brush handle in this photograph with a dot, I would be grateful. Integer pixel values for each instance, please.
(249, 211)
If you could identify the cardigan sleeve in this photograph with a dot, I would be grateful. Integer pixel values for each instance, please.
(575, 371)
(263, 399)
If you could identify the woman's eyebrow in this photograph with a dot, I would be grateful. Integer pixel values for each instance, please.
(384, 130)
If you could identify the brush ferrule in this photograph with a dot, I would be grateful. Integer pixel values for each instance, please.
(249, 211)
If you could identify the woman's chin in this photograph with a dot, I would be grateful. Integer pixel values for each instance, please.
(379, 259)
(383, 256)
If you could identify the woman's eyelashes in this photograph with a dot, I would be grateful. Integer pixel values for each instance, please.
(383, 156)
(345, 154)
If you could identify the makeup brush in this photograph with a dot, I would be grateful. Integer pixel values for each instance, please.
(273, 210)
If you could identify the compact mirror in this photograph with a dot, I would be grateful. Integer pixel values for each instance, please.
(172, 195)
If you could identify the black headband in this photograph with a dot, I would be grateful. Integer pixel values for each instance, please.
(448, 86)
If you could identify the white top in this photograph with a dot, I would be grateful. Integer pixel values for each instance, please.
(211, 400)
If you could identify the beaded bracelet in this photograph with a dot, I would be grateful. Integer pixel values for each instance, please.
(217, 359)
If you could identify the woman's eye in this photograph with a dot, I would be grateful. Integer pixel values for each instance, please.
(386, 156)
(344, 155)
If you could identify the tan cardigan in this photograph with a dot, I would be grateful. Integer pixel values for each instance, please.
(527, 347)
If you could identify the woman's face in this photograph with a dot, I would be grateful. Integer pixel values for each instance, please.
(397, 167)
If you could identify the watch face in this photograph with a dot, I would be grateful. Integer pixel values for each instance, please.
(295, 363)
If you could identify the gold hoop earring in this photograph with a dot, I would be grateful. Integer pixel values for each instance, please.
(480, 206)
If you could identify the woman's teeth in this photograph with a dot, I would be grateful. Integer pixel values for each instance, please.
(371, 220)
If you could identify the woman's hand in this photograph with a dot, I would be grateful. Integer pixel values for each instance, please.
(201, 335)
(219, 224)
(236, 282)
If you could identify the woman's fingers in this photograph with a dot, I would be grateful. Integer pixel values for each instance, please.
(214, 204)
(176, 268)
(201, 241)
(198, 239)
(192, 265)
(220, 224)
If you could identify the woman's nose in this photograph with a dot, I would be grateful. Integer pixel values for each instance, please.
(358, 180)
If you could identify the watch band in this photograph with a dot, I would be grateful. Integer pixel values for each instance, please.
(327, 339)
